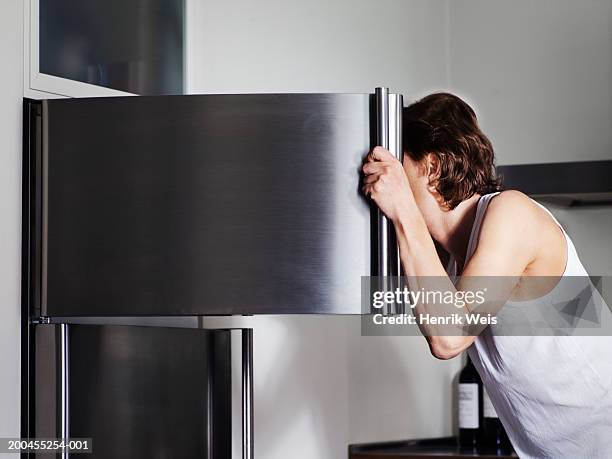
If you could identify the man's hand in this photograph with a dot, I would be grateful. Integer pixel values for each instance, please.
(386, 184)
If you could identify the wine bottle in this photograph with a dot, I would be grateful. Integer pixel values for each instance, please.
(495, 439)
(470, 407)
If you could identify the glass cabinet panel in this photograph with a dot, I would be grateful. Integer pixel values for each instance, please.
(135, 46)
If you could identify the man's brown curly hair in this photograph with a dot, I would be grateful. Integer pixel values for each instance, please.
(444, 125)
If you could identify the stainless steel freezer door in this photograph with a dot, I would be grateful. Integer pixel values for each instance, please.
(216, 204)
(137, 392)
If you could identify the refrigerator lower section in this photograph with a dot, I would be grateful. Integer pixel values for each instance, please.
(138, 392)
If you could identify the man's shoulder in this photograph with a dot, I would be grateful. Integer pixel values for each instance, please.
(505, 242)
(515, 221)
(513, 199)
(512, 207)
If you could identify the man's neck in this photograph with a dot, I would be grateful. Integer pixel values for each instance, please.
(453, 228)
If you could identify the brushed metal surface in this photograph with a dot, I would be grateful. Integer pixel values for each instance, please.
(217, 204)
(138, 392)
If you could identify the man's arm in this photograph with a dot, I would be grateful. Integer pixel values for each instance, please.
(502, 250)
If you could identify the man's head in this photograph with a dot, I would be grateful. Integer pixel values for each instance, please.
(446, 155)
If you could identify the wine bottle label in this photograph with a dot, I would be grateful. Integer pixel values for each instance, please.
(468, 406)
(488, 409)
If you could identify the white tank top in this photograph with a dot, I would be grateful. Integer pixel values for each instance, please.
(552, 393)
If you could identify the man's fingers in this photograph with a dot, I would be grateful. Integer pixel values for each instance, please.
(372, 187)
(379, 162)
(373, 168)
(371, 178)
(380, 154)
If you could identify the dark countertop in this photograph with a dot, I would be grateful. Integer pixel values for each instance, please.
(445, 447)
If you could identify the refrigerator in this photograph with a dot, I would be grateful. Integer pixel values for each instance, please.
(143, 215)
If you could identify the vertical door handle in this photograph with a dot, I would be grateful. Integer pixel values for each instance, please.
(389, 136)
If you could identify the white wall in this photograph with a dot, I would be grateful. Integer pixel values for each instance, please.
(397, 390)
(318, 46)
(539, 73)
(11, 87)
(319, 385)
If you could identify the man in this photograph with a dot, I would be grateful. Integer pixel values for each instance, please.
(552, 393)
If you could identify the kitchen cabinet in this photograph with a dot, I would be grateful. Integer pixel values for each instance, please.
(105, 47)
